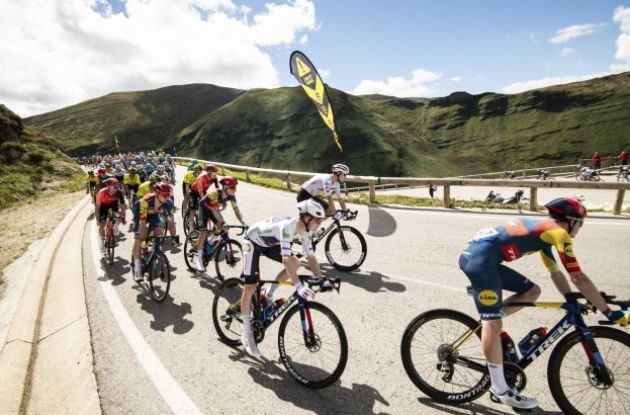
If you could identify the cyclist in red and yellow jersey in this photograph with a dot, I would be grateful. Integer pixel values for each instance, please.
(110, 197)
(482, 264)
(209, 210)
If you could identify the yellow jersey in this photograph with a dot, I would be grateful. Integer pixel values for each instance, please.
(131, 181)
(144, 189)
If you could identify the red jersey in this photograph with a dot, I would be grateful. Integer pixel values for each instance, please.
(105, 198)
(203, 182)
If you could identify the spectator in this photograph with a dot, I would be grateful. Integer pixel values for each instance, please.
(432, 190)
(623, 158)
(597, 161)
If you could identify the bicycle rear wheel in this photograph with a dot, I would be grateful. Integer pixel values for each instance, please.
(226, 311)
(345, 248)
(110, 244)
(431, 361)
(159, 277)
(228, 259)
(190, 250)
(576, 384)
(313, 345)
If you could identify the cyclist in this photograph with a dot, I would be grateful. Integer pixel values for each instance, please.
(132, 182)
(481, 262)
(325, 184)
(203, 182)
(209, 209)
(272, 238)
(90, 184)
(147, 187)
(147, 212)
(189, 179)
(108, 198)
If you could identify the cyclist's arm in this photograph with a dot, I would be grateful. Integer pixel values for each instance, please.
(291, 267)
(237, 211)
(561, 282)
(313, 265)
(586, 287)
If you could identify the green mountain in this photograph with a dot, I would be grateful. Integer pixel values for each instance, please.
(31, 162)
(383, 136)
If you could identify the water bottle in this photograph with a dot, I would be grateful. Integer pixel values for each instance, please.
(509, 351)
(532, 340)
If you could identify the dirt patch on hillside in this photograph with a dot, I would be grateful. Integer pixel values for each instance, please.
(24, 224)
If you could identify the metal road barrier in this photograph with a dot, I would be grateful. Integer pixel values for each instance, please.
(446, 183)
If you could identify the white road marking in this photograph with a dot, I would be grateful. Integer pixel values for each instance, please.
(165, 384)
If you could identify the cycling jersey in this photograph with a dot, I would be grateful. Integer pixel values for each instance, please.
(144, 189)
(203, 182)
(105, 198)
(481, 261)
(131, 180)
(190, 177)
(216, 199)
(322, 184)
(146, 206)
(279, 230)
(91, 179)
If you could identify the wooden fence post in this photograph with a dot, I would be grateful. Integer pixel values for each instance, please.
(447, 195)
(289, 181)
(247, 176)
(533, 199)
(619, 202)
(372, 192)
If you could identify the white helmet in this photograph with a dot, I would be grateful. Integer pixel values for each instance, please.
(340, 168)
(315, 208)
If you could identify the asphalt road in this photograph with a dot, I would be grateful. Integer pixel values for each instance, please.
(166, 358)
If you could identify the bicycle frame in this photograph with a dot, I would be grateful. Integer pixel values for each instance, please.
(572, 318)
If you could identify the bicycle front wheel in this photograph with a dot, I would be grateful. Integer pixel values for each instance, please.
(430, 356)
(228, 259)
(313, 345)
(226, 311)
(576, 384)
(110, 242)
(159, 277)
(190, 250)
(345, 248)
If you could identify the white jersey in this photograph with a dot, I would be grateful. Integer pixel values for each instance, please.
(279, 230)
(322, 184)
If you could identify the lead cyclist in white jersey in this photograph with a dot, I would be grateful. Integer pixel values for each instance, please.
(272, 238)
(324, 184)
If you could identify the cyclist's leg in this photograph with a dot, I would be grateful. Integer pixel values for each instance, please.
(526, 291)
(202, 226)
(251, 258)
(303, 195)
(273, 253)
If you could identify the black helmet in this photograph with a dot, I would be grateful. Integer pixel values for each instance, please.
(566, 208)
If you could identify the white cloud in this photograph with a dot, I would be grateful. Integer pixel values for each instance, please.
(455, 78)
(399, 86)
(622, 16)
(571, 32)
(567, 52)
(54, 54)
(544, 82)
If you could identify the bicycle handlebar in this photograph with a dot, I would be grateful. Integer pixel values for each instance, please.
(241, 227)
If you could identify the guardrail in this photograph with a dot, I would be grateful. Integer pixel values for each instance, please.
(446, 183)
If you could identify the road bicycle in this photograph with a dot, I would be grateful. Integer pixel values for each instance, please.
(110, 237)
(623, 175)
(226, 252)
(544, 175)
(345, 246)
(588, 371)
(594, 177)
(190, 221)
(155, 265)
(311, 339)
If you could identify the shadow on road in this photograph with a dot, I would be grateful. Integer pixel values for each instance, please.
(167, 313)
(381, 223)
(374, 282)
(475, 409)
(206, 281)
(115, 271)
(336, 399)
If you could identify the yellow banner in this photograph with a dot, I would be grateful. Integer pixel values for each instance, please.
(306, 74)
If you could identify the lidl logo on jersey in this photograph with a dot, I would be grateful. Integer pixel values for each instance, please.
(568, 250)
(488, 297)
(286, 234)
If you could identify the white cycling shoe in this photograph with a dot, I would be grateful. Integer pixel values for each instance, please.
(137, 276)
(514, 399)
(199, 265)
(250, 346)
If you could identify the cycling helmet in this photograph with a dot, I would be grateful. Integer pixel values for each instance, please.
(111, 182)
(163, 189)
(132, 170)
(566, 208)
(197, 168)
(101, 172)
(154, 178)
(340, 168)
(229, 182)
(160, 167)
(211, 168)
(315, 208)
(91, 172)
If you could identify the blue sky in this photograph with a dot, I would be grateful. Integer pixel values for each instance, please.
(58, 53)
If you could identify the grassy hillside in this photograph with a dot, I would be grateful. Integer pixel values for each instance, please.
(141, 120)
(386, 136)
(32, 162)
